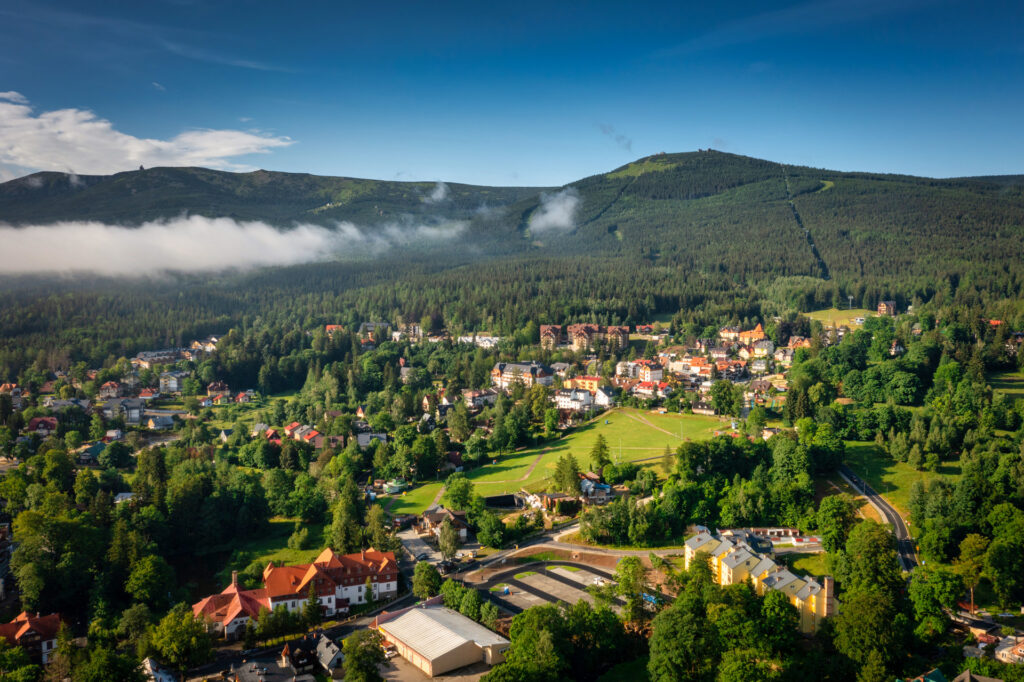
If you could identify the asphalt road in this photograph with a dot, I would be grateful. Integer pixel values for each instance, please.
(904, 543)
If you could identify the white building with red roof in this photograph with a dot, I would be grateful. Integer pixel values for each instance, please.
(338, 579)
(36, 634)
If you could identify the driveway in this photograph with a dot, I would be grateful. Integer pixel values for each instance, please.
(415, 546)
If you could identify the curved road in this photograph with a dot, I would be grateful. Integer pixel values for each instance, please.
(904, 543)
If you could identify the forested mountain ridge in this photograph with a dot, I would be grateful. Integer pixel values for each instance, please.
(707, 235)
(706, 211)
(281, 199)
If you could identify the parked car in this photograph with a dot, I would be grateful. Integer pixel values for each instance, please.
(447, 567)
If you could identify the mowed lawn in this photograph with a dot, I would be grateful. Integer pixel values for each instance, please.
(414, 501)
(889, 478)
(1010, 383)
(814, 564)
(631, 434)
(835, 317)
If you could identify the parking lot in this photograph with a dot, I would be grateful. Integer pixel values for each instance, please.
(548, 586)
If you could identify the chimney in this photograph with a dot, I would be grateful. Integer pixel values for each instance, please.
(829, 584)
(234, 578)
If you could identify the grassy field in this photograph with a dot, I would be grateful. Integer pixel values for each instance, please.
(834, 485)
(835, 317)
(891, 479)
(414, 501)
(1010, 383)
(273, 546)
(813, 564)
(631, 435)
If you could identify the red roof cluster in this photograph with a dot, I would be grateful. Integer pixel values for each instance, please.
(45, 627)
(326, 573)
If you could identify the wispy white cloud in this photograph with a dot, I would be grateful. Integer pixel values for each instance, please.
(437, 195)
(793, 20)
(126, 36)
(197, 244)
(12, 96)
(203, 54)
(556, 213)
(159, 87)
(76, 139)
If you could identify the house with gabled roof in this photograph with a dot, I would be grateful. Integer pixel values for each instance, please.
(36, 634)
(338, 580)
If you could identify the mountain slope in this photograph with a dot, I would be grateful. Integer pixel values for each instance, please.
(280, 199)
(746, 219)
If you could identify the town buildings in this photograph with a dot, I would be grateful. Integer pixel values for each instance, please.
(337, 580)
(734, 561)
(505, 374)
(583, 337)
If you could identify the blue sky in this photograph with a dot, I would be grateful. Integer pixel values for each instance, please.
(518, 93)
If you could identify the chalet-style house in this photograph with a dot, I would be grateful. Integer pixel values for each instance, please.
(109, 390)
(432, 520)
(216, 388)
(734, 561)
(36, 634)
(338, 580)
(583, 337)
(504, 374)
(42, 426)
(887, 308)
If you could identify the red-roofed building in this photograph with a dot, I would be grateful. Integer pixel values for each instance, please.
(291, 429)
(338, 580)
(331, 328)
(750, 336)
(653, 389)
(36, 634)
(43, 426)
(109, 390)
(149, 394)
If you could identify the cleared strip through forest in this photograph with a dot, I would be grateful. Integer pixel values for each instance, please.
(807, 233)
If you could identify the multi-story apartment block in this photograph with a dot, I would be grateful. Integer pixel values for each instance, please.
(733, 561)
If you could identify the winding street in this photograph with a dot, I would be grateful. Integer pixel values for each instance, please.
(904, 543)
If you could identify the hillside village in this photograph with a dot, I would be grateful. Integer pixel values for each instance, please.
(378, 457)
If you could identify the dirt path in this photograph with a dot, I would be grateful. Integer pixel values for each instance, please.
(647, 423)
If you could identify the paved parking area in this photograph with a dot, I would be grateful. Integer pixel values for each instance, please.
(559, 591)
(415, 546)
(581, 576)
(522, 598)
